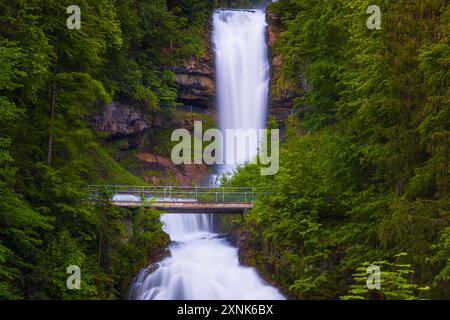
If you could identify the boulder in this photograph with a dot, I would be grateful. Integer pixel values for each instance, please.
(120, 120)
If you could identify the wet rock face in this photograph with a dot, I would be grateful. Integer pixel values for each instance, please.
(195, 88)
(196, 79)
(280, 98)
(120, 120)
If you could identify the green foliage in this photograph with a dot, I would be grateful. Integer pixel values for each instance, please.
(51, 81)
(64, 251)
(364, 171)
(100, 168)
(395, 282)
(154, 34)
(442, 258)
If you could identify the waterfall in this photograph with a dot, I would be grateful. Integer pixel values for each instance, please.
(203, 264)
(242, 71)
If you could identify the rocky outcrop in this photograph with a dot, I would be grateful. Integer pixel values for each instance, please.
(257, 252)
(119, 120)
(196, 79)
(185, 174)
(196, 87)
(280, 97)
(136, 137)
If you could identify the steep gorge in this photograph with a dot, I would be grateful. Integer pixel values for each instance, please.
(141, 142)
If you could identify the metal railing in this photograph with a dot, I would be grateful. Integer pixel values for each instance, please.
(125, 193)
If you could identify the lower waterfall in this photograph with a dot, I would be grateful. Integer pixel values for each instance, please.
(202, 265)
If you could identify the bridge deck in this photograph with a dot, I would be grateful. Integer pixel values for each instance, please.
(177, 199)
(189, 207)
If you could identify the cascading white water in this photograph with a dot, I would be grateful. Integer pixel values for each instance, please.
(202, 264)
(242, 71)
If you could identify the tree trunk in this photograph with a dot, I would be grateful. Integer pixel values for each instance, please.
(100, 248)
(52, 115)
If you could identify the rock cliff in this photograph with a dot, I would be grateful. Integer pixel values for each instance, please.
(280, 97)
(140, 143)
(196, 79)
(119, 120)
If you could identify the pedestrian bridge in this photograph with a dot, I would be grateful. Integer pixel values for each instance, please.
(175, 199)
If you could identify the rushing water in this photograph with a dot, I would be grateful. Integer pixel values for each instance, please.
(242, 74)
(202, 264)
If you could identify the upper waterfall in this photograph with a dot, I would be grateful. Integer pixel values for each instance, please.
(242, 72)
